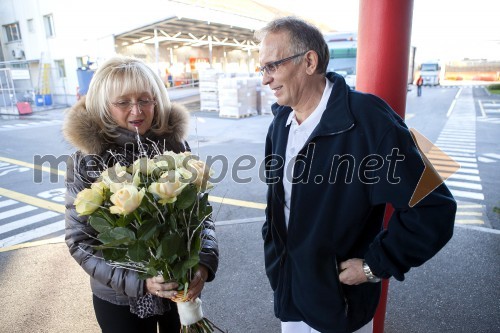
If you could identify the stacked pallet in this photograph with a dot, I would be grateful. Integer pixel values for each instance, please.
(238, 97)
(209, 97)
(267, 99)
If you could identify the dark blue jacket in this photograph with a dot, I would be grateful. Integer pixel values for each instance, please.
(360, 157)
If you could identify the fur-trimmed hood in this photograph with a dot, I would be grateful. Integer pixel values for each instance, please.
(84, 132)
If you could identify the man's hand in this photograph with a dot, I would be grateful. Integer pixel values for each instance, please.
(351, 272)
(197, 283)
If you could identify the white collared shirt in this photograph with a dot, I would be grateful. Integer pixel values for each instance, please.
(297, 137)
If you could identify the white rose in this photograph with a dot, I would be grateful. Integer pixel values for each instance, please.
(88, 200)
(145, 165)
(126, 200)
(168, 187)
(201, 173)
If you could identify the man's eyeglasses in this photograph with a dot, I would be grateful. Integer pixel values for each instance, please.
(142, 104)
(271, 67)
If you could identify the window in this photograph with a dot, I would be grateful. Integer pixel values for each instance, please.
(86, 62)
(429, 67)
(31, 27)
(61, 69)
(48, 21)
(82, 61)
(12, 31)
(342, 53)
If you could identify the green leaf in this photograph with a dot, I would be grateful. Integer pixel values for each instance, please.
(187, 197)
(114, 254)
(108, 216)
(196, 245)
(122, 233)
(180, 274)
(147, 230)
(172, 222)
(190, 263)
(125, 220)
(99, 224)
(138, 251)
(116, 236)
(151, 272)
(204, 208)
(170, 245)
(159, 251)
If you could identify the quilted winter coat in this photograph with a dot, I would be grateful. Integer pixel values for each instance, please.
(96, 152)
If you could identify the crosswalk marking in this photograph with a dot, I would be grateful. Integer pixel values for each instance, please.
(467, 185)
(33, 234)
(27, 221)
(13, 233)
(469, 221)
(465, 177)
(14, 212)
(492, 155)
(465, 206)
(6, 203)
(485, 159)
(467, 194)
(489, 158)
(490, 111)
(42, 123)
(458, 140)
(469, 214)
(461, 170)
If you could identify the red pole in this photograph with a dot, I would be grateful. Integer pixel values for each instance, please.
(384, 35)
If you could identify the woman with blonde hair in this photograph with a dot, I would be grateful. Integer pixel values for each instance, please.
(126, 114)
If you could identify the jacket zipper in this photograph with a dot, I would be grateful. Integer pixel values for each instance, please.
(284, 281)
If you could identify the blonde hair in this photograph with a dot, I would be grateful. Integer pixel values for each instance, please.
(122, 75)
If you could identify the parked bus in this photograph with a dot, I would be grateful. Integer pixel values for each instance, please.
(343, 50)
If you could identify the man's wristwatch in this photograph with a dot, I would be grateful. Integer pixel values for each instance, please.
(369, 275)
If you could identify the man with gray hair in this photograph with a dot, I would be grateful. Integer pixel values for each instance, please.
(334, 158)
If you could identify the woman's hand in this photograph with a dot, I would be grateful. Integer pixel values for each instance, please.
(197, 283)
(157, 286)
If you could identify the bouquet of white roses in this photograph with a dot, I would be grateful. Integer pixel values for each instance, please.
(149, 218)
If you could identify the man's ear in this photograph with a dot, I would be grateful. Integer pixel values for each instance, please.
(311, 60)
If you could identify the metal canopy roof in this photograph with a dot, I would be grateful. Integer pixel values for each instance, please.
(177, 32)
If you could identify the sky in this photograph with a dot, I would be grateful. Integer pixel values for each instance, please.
(442, 29)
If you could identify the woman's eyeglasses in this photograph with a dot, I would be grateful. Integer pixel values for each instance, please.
(271, 67)
(142, 104)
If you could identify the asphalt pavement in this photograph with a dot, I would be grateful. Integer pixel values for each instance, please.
(44, 290)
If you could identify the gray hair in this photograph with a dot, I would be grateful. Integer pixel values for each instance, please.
(303, 37)
(121, 75)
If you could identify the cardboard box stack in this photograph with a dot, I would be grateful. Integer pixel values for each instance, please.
(238, 97)
(209, 97)
(267, 99)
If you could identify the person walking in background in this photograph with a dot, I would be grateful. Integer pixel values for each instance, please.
(169, 77)
(420, 83)
(328, 180)
(126, 114)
